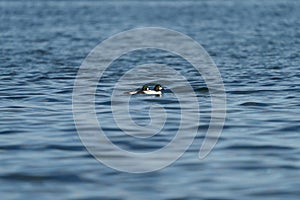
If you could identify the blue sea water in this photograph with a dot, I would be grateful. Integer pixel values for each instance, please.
(255, 45)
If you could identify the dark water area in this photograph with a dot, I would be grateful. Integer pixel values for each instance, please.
(255, 45)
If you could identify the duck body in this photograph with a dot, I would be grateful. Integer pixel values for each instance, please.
(152, 92)
(144, 89)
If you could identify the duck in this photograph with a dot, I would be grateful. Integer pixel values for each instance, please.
(157, 90)
(143, 90)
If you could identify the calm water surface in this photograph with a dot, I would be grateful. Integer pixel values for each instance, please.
(255, 45)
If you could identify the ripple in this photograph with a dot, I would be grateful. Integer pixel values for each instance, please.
(64, 178)
(202, 90)
(254, 104)
(258, 147)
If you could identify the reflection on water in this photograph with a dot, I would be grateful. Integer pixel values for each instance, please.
(254, 44)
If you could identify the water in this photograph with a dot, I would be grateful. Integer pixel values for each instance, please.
(255, 45)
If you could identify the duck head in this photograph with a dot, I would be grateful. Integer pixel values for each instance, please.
(145, 88)
(158, 87)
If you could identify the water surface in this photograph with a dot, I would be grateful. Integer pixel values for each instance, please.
(255, 45)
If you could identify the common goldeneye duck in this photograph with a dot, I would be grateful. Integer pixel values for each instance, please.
(144, 89)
